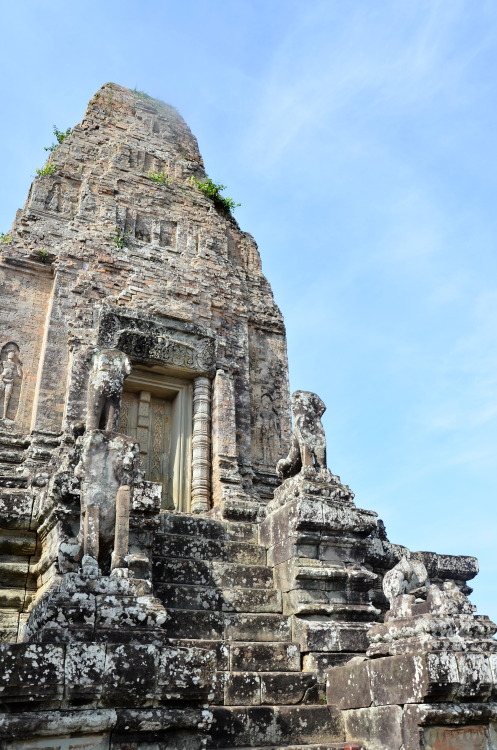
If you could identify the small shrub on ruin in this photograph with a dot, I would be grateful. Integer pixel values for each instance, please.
(47, 170)
(213, 191)
(120, 238)
(60, 135)
(43, 255)
(162, 178)
(5, 238)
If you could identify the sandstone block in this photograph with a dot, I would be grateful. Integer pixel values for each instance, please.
(84, 671)
(242, 689)
(289, 688)
(308, 724)
(31, 671)
(130, 675)
(377, 728)
(263, 627)
(256, 657)
(349, 686)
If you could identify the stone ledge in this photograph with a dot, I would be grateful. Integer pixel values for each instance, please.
(18, 726)
(104, 674)
(413, 678)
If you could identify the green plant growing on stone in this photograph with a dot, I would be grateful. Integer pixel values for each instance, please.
(141, 94)
(47, 170)
(162, 178)
(60, 135)
(120, 238)
(43, 255)
(5, 238)
(213, 191)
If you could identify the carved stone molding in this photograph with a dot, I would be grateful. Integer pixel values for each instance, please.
(161, 341)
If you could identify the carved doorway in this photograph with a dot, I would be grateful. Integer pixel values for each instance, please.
(156, 411)
(154, 437)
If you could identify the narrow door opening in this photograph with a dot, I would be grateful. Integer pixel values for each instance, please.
(156, 411)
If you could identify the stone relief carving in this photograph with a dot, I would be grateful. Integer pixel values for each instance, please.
(105, 387)
(164, 342)
(10, 380)
(269, 428)
(309, 441)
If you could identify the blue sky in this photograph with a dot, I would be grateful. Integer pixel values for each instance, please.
(360, 139)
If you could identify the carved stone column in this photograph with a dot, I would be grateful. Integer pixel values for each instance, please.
(201, 443)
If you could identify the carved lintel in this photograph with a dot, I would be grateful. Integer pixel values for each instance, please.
(151, 340)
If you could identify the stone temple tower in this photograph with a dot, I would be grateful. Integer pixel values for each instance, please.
(178, 568)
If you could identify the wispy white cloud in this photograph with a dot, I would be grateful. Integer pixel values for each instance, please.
(337, 63)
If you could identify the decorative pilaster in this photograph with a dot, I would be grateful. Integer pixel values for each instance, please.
(201, 443)
(225, 472)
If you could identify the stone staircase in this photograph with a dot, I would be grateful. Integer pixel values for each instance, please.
(18, 556)
(212, 577)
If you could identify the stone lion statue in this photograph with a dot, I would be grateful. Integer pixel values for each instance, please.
(105, 387)
(309, 441)
(407, 577)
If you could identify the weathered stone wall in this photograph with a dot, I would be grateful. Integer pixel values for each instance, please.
(26, 289)
(116, 238)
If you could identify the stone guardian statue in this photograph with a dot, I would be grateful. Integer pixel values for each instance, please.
(309, 441)
(105, 388)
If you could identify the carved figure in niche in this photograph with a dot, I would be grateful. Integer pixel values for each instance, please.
(105, 387)
(309, 441)
(10, 376)
(52, 201)
(269, 428)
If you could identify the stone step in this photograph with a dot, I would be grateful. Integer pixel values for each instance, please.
(272, 689)
(212, 573)
(238, 510)
(14, 571)
(221, 649)
(13, 598)
(17, 542)
(192, 548)
(217, 626)
(264, 726)
(208, 528)
(208, 598)
(249, 656)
